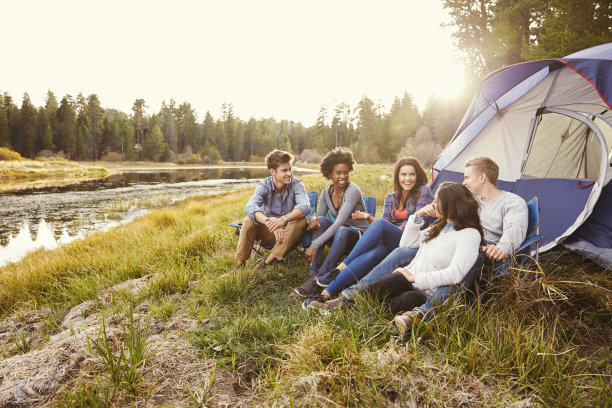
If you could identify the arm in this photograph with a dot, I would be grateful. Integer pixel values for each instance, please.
(301, 201)
(411, 237)
(256, 202)
(351, 197)
(515, 220)
(388, 207)
(467, 243)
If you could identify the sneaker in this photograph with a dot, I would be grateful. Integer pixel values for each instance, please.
(325, 280)
(336, 303)
(406, 320)
(318, 298)
(309, 287)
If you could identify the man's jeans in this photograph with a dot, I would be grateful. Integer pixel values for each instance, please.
(443, 293)
(399, 257)
(343, 240)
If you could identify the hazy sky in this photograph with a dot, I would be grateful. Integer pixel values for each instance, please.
(282, 59)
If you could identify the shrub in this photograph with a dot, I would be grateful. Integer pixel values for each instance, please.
(311, 156)
(7, 154)
(112, 157)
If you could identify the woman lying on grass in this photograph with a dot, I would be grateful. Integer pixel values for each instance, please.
(333, 225)
(447, 251)
(411, 194)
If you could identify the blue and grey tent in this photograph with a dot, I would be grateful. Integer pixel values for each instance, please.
(548, 124)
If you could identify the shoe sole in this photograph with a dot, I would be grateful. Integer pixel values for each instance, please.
(402, 328)
(321, 284)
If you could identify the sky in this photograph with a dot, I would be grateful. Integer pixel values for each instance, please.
(283, 59)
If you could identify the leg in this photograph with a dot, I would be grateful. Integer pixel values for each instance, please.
(357, 269)
(324, 224)
(388, 287)
(406, 301)
(373, 235)
(293, 232)
(443, 293)
(398, 257)
(248, 234)
(344, 239)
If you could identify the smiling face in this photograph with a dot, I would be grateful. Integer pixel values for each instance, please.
(282, 174)
(407, 177)
(340, 175)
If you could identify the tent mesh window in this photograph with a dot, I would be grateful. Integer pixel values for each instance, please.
(563, 147)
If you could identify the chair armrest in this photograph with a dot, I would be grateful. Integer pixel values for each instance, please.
(527, 243)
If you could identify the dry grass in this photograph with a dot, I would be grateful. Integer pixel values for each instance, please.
(231, 339)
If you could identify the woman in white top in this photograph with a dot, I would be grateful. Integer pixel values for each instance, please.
(447, 249)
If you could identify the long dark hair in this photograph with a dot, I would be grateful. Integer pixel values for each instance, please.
(420, 181)
(457, 203)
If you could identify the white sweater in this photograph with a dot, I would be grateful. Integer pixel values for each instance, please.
(445, 260)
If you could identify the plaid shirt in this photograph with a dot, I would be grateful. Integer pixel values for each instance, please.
(391, 202)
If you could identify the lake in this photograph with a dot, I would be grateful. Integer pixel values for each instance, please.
(49, 217)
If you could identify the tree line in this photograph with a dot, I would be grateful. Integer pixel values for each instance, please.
(80, 129)
(489, 33)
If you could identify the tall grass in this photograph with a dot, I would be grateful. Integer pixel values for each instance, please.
(533, 342)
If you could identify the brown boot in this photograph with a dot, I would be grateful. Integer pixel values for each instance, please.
(404, 321)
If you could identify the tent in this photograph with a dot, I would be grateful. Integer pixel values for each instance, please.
(548, 124)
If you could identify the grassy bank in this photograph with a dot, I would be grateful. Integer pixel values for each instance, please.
(533, 343)
(28, 174)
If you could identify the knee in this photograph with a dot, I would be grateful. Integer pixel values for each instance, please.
(342, 233)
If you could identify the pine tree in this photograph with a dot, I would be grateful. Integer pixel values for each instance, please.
(4, 127)
(27, 143)
(95, 119)
(66, 122)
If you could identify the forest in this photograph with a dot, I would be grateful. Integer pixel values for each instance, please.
(490, 33)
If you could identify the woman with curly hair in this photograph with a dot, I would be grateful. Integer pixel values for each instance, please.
(411, 194)
(333, 225)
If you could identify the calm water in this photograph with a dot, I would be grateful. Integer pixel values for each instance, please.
(49, 217)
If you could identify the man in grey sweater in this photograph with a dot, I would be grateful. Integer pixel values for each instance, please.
(504, 218)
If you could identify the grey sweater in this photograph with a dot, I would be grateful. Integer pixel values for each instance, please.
(351, 202)
(504, 221)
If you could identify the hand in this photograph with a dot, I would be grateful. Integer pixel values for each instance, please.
(311, 253)
(274, 223)
(280, 235)
(407, 274)
(494, 252)
(313, 224)
(360, 215)
(429, 210)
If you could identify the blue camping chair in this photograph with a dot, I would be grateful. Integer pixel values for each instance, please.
(523, 252)
(258, 247)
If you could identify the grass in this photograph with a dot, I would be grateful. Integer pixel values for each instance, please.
(27, 174)
(533, 342)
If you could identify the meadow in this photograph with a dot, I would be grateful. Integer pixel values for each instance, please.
(151, 314)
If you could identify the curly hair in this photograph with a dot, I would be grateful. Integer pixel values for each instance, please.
(457, 203)
(336, 156)
(277, 157)
(421, 180)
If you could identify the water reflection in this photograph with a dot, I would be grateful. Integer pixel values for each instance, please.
(46, 218)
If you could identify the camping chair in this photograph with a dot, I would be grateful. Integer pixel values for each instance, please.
(532, 238)
(259, 247)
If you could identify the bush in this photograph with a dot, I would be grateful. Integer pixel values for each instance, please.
(311, 156)
(112, 157)
(7, 154)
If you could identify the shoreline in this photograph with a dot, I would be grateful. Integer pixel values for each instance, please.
(34, 175)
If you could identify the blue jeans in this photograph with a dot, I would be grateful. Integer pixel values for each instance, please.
(377, 242)
(400, 256)
(443, 293)
(343, 240)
